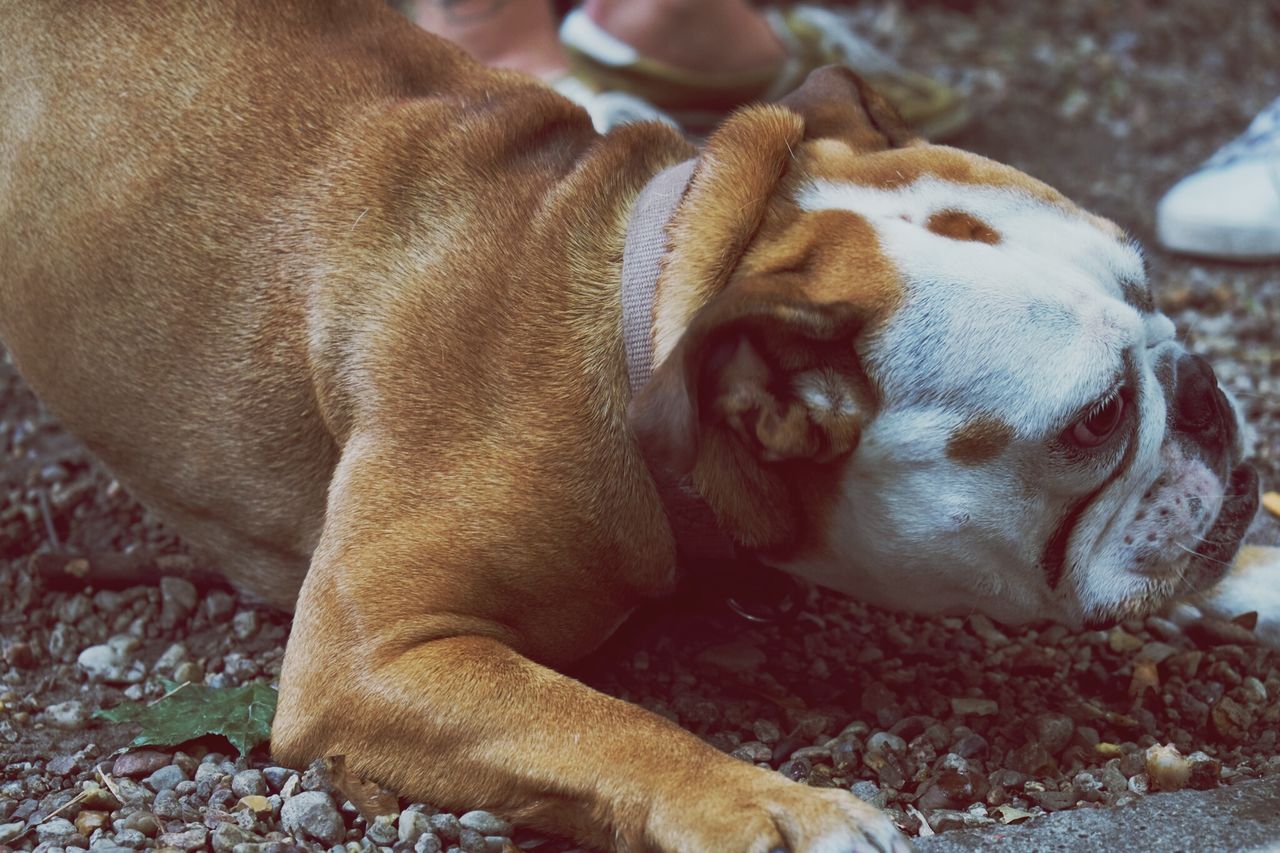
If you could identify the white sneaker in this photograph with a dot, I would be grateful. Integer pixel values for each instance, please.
(1230, 206)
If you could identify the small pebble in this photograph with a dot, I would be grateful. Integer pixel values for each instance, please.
(249, 782)
(1032, 759)
(144, 822)
(312, 815)
(166, 805)
(174, 655)
(978, 707)
(1231, 719)
(753, 751)
(412, 825)
(1054, 731)
(218, 605)
(227, 835)
(1156, 652)
(1113, 780)
(446, 826)
(88, 822)
(56, 832)
(19, 656)
(244, 624)
(868, 792)
(1163, 628)
(177, 600)
(276, 776)
(166, 778)
(383, 830)
(1255, 692)
(470, 841)
(259, 805)
(188, 671)
(191, 838)
(766, 731)
(427, 843)
(1122, 642)
(110, 664)
(1205, 771)
(132, 838)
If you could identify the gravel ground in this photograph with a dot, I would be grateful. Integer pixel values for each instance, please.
(947, 723)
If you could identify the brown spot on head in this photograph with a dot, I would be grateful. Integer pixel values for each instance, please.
(959, 225)
(979, 441)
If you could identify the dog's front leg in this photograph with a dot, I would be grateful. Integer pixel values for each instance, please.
(467, 722)
(410, 655)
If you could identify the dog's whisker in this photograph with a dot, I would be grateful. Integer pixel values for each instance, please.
(1196, 553)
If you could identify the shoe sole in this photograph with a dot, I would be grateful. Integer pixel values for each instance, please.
(1219, 242)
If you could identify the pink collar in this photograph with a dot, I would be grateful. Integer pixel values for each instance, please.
(645, 246)
(698, 535)
(757, 593)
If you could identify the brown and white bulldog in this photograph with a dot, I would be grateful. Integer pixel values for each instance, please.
(348, 310)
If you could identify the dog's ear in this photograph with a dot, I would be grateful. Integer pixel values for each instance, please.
(754, 331)
(773, 372)
(838, 104)
(762, 382)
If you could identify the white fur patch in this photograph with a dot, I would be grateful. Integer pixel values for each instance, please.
(1049, 271)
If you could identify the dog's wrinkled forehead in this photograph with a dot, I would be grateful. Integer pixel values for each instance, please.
(1013, 301)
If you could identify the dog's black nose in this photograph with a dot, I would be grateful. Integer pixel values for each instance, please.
(1199, 409)
(1195, 394)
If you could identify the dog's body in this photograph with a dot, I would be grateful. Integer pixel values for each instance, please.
(343, 305)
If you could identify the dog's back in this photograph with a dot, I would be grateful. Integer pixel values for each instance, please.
(225, 228)
(155, 168)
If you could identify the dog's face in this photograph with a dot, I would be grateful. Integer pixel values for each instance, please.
(950, 390)
(1041, 446)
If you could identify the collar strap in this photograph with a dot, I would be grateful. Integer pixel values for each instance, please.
(698, 536)
(642, 254)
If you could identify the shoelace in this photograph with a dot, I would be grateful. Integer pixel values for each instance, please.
(1261, 139)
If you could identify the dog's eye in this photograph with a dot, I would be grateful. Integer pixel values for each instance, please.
(1098, 425)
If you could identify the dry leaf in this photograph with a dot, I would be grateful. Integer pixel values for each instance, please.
(1145, 677)
(1011, 814)
(1248, 621)
(255, 803)
(925, 829)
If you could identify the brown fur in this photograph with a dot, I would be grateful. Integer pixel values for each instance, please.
(343, 307)
(959, 225)
(979, 441)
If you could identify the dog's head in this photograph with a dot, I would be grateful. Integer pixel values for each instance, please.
(924, 378)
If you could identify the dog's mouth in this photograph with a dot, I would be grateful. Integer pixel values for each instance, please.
(1207, 563)
(1217, 548)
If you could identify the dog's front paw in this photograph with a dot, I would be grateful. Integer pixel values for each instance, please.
(1252, 585)
(759, 811)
